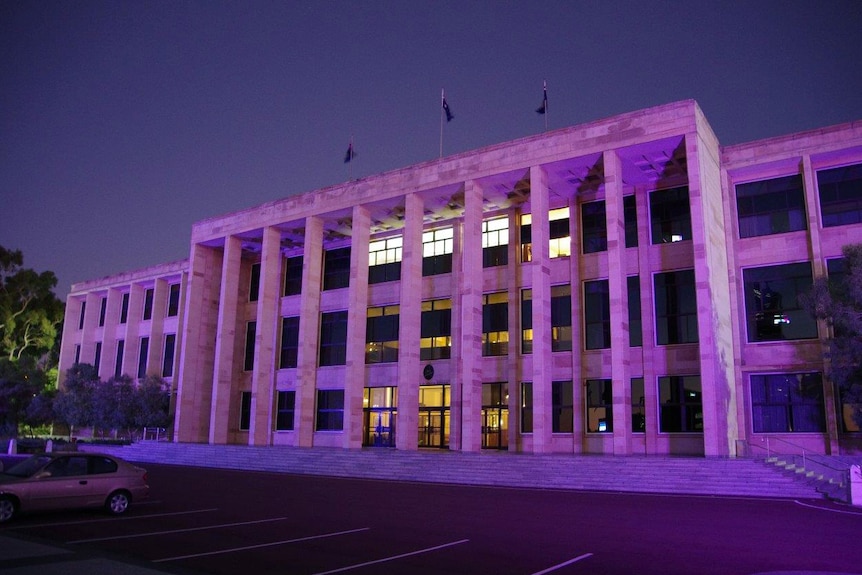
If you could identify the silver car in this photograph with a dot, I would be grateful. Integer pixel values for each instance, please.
(70, 480)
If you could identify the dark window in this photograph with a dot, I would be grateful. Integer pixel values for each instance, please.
(594, 227)
(675, 308)
(635, 325)
(336, 268)
(293, 275)
(118, 364)
(526, 321)
(102, 311)
(771, 206)
(174, 300)
(526, 407)
(840, 195)
(561, 319)
(81, 318)
(562, 410)
(787, 403)
(638, 406)
(600, 405)
(381, 334)
(168, 359)
(526, 238)
(245, 411)
(437, 246)
(772, 305)
(630, 215)
(289, 342)
(285, 409)
(148, 304)
(98, 356)
(100, 465)
(670, 216)
(143, 350)
(77, 353)
(436, 330)
(330, 409)
(495, 242)
(254, 283)
(681, 404)
(333, 338)
(597, 314)
(250, 332)
(124, 309)
(495, 324)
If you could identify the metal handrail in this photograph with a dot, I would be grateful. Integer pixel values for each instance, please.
(805, 454)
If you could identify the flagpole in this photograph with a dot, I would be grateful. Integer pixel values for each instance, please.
(545, 96)
(442, 99)
(350, 163)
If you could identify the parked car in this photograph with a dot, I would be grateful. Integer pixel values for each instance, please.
(69, 480)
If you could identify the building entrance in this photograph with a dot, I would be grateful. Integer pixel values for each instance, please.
(495, 416)
(434, 403)
(380, 411)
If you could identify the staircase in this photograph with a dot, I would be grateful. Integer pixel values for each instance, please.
(828, 475)
(653, 474)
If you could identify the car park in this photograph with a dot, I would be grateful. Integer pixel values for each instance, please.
(70, 480)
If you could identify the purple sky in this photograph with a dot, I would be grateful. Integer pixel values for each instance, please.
(122, 123)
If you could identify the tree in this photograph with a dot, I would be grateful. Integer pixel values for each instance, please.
(152, 403)
(74, 403)
(838, 301)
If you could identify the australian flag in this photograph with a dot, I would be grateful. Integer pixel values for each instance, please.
(544, 107)
(350, 153)
(446, 109)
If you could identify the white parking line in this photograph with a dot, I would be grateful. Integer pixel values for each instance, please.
(123, 518)
(818, 508)
(175, 531)
(273, 544)
(561, 565)
(393, 558)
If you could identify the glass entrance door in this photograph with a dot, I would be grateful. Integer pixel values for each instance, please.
(495, 416)
(434, 416)
(379, 416)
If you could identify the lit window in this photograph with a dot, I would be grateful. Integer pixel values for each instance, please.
(495, 242)
(384, 260)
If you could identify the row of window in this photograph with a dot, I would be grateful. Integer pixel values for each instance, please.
(168, 353)
(172, 309)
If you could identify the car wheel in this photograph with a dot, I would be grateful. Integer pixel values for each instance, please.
(118, 502)
(7, 509)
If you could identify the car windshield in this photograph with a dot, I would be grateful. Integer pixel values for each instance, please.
(29, 466)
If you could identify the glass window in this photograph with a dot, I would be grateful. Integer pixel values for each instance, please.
(675, 308)
(250, 332)
(148, 305)
(124, 309)
(173, 300)
(594, 227)
(254, 283)
(495, 242)
(81, 317)
(638, 406)
(336, 268)
(495, 324)
(330, 409)
(333, 338)
(840, 195)
(787, 403)
(384, 260)
(118, 364)
(600, 404)
(245, 410)
(97, 359)
(436, 330)
(168, 357)
(381, 334)
(562, 411)
(143, 351)
(771, 206)
(597, 314)
(681, 404)
(630, 213)
(560, 237)
(561, 319)
(526, 237)
(526, 407)
(772, 307)
(437, 246)
(289, 342)
(285, 408)
(635, 326)
(102, 311)
(670, 215)
(293, 275)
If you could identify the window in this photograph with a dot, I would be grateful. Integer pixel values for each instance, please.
(437, 246)
(597, 314)
(330, 409)
(148, 305)
(670, 216)
(98, 355)
(681, 404)
(635, 325)
(594, 227)
(600, 404)
(630, 216)
(562, 411)
(143, 350)
(436, 330)
(102, 311)
(250, 332)
(285, 409)
(526, 237)
(333, 338)
(245, 411)
(81, 318)
(124, 309)
(560, 238)
(77, 353)
(561, 319)
(168, 358)
(173, 300)
(381, 334)
(118, 364)
(527, 407)
(771, 206)
(840, 195)
(293, 275)
(289, 342)
(638, 406)
(495, 324)
(675, 308)
(787, 403)
(336, 268)
(495, 242)
(254, 283)
(384, 260)
(772, 307)
(380, 412)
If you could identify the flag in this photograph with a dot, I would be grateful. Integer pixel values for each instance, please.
(544, 107)
(350, 153)
(446, 109)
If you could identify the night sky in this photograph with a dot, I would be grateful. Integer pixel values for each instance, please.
(122, 123)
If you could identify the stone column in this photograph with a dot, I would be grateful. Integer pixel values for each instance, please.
(648, 349)
(309, 332)
(71, 336)
(357, 312)
(133, 320)
(157, 330)
(409, 325)
(540, 276)
(88, 335)
(514, 362)
(112, 333)
(268, 314)
(578, 402)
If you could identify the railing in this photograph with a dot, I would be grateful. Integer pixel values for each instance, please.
(154, 434)
(823, 465)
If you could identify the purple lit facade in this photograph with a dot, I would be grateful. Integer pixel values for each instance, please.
(627, 286)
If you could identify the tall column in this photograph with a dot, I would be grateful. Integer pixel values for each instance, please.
(263, 376)
(357, 312)
(71, 336)
(618, 295)
(88, 336)
(225, 363)
(309, 332)
(133, 321)
(157, 327)
(410, 325)
(648, 346)
(112, 334)
(514, 362)
(470, 288)
(540, 276)
(579, 425)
